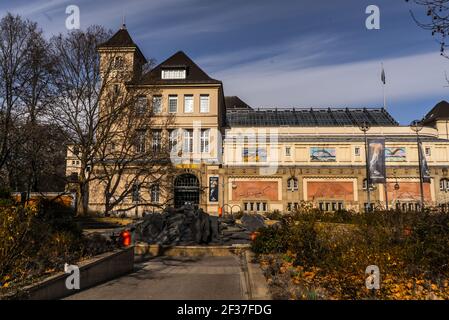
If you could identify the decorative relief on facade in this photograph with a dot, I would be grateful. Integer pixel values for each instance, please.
(254, 190)
(329, 190)
(408, 191)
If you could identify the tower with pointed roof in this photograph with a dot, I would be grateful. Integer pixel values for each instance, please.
(120, 53)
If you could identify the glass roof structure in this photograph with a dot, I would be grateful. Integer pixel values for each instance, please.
(309, 117)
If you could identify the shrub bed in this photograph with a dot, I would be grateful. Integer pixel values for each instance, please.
(38, 240)
(310, 256)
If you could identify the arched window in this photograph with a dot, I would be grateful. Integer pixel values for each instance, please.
(292, 184)
(444, 184)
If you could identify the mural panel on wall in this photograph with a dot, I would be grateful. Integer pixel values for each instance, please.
(329, 190)
(408, 191)
(319, 154)
(395, 154)
(255, 190)
(254, 155)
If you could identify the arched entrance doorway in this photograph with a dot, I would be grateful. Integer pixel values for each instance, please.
(187, 190)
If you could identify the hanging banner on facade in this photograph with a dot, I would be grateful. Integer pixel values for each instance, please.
(213, 189)
(376, 160)
(424, 167)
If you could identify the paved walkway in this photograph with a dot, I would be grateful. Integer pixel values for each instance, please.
(176, 278)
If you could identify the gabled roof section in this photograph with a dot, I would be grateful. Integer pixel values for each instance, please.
(122, 39)
(235, 103)
(314, 117)
(440, 111)
(194, 74)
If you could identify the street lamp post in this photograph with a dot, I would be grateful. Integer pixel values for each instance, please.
(416, 126)
(223, 202)
(364, 126)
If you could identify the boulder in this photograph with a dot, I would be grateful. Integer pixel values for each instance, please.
(252, 222)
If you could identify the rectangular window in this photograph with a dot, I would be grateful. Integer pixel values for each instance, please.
(157, 140)
(157, 104)
(204, 103)
(188, 104)
(173, 140)
(188, 140)
(205, 141)
(141, 105)
(357, 151)
(288, 151)
(116, 89)
(428, 151)
(245, 206)
(136, 192)
(118, 63)
(140, 141)
(172, 103)
(154, 192)
(174, 74)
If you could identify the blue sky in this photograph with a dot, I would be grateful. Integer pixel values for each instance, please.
(280, 53)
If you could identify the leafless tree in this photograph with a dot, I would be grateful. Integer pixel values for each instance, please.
(36, 96)
(134, 163)
(99, 113)
(437, 12)
(16, 41)
(77, 90)
(30, 146)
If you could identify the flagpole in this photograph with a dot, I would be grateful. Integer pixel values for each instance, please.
(383, 86)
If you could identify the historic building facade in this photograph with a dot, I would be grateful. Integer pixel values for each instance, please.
(229, 156)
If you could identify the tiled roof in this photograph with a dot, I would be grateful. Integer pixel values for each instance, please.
(309, 117)
(195, 75)
(235, 103)
(440, 111)
(121, 39)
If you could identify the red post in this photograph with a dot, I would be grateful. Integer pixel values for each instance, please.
(125, 237)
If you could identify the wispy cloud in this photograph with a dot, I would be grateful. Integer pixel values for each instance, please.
(38, 7)
(353, 84)
(279, 56)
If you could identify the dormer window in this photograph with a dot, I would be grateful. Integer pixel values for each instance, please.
(173, 74)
